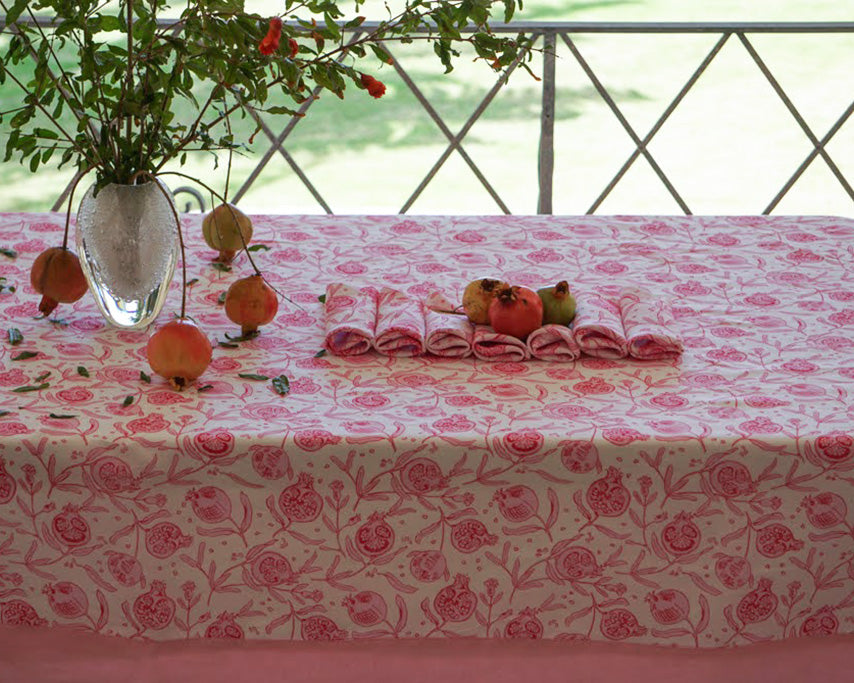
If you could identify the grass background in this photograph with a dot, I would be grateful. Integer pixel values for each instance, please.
(728, 148)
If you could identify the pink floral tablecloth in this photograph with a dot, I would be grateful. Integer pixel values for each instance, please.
(701, 501)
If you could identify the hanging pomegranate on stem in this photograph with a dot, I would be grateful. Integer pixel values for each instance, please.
(56, 275)
(251, 302)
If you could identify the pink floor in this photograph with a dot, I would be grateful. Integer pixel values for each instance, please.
(43, 656)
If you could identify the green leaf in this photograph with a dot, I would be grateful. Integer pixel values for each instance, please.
(144, 378)
(25, 355)
(258, 247)
(249, 375)
(31, 387)
(281, 385)
(82, 371)
(128, 400)
(15, 336)
(15, 11)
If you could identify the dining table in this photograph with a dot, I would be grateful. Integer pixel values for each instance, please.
(699, 500)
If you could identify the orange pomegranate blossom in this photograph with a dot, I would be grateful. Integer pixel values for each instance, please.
(56, 275)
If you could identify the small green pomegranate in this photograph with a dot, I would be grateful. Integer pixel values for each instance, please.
(558, 304)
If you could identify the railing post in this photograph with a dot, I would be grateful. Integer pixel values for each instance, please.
(546, 164)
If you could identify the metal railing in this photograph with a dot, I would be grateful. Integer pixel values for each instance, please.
(548, 39)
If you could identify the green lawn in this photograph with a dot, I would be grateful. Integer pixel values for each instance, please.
(727, 149)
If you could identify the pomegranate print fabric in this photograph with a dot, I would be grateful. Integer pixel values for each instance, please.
(400, 324)
(648, 325)
(351, 319)
(598, 325)
(494, 347)
(553, 343)
(698, 500)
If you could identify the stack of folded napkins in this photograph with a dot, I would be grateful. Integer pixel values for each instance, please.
(630, 322)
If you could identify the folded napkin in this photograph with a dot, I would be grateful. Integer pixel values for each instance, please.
(400, 324)
(491, 346)
(448, 334)
(553, 343)
(598, 326)
(648, 322)
(351, 319)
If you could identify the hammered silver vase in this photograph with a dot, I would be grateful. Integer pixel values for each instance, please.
(127, 240)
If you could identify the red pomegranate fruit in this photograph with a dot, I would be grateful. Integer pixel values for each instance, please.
(668, 606)
(19, 613)
(822, 623)
(517, 503)
(569, 562)
(607, 496)
(250, 302)
(733, 571)
(375, 537)
(456, 602)
(164, 539)
(154, 609)
(179, 351)
(210, 503)
(619, 624)
(731, 479)
(422, 475)
(125, 569)
(70, 527)
(321, 628)
(270, 569)
(525, 626)
(775, 540)
(225, 627)
(516, 311)
(299, 501)
(366, 608)
(427, 565)
(471, 535)
(56, 275)
(681, 536)
(758, 604)
(825, 509)
(67, 599)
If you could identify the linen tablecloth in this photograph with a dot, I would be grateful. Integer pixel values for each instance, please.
(700, 501)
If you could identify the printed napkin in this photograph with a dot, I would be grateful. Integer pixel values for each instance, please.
(489, 345)
(648, 322)
(351, 319)
(553, 343)
(400, 327)
(598, 325)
